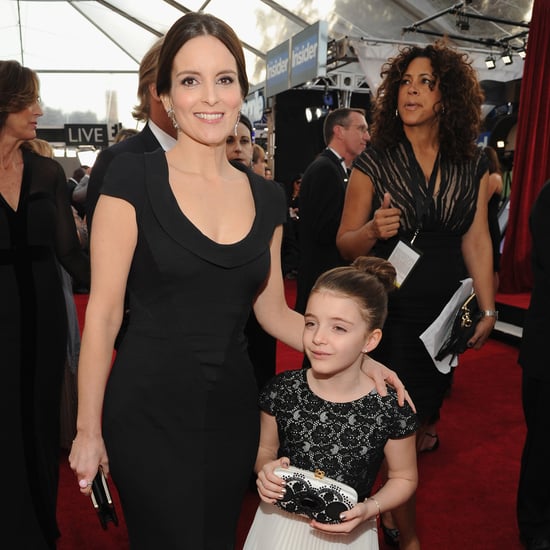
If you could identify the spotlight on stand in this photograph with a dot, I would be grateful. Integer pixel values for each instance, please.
(507, 57)
(315, 113)
(490, 62)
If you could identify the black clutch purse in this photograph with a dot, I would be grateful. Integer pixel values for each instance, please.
(102, 501)
(315, 496)
(464, 325)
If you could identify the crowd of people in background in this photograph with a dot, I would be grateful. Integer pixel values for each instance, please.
(190, 237)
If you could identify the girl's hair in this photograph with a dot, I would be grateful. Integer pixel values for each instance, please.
(461, 99)
(367, 281)
(19, 88)
(191, 26)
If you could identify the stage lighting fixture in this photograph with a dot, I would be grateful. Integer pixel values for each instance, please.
(522, 52)
(490, 62)
(317, 112)
(501, 144)
(507, 57)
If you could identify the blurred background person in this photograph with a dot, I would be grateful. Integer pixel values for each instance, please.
(322, 191)
(72, 182)
(157, 132)
(68, 403)
(291, 247)
(533, 500)
(125, 133)
(294, 196)
(495, 187)
(37, 232)
(262, 347)
(259, 160)
(239, 145)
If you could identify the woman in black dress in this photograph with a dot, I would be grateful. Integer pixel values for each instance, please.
(195, 241)
(37, 233)
(423, 181)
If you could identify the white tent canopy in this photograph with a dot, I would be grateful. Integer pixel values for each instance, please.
(84, 50)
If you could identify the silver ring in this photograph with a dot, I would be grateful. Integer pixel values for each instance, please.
(89, 484)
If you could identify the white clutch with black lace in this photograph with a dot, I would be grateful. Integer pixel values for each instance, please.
(313, 495)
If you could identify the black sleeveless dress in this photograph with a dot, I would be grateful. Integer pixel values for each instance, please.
(181, 419)
(436, 276)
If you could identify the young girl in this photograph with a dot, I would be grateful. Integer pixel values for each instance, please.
(330, 417)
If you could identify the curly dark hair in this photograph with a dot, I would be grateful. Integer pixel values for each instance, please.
(462, 96)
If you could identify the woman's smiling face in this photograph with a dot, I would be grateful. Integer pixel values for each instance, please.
(205, 94)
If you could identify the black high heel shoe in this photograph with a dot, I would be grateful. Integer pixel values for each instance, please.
(391, 535)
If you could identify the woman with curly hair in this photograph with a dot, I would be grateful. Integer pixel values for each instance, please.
(423, 183)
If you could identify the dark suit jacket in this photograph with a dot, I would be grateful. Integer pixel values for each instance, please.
(143, 142)
(533, 355)
(321, 202)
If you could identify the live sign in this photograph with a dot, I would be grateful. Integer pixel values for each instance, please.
(86, 134)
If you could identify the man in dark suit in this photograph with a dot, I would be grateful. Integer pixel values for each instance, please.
(533, 501)
(157, 132)
(322, 195)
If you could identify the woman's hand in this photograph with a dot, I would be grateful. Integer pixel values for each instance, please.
(385, 222)
(482, 332)
(382, 376)
(350, 519)
(87, 454)
(270, 486)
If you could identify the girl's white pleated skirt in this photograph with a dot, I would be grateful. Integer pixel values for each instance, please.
(275, 529)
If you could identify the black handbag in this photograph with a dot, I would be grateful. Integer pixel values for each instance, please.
(464, 325)
(102, 501)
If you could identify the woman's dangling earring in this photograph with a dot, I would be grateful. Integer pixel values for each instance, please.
(172, 117)
(237, 123)
(396, 112)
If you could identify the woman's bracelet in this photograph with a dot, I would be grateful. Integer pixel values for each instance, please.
(377, 504)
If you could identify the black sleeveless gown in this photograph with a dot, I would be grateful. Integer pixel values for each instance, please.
(430, 285)
(181, 418)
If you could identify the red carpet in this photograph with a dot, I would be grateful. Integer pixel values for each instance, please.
(466, 495)
(520, 300)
